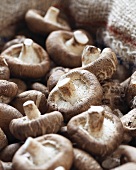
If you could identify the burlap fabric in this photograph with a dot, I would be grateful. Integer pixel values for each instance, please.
(114, 20)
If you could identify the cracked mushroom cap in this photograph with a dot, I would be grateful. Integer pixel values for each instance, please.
(34, 95)
(7, 113)
(129, 125)
(45, 152)
(8, 90)
(96, 131)
(74, 93)
(104, 65)
(4, 69)
(84, 161)
(44, 23)
(27, 60)
(3, 140)
(65, 47)
(34, 124)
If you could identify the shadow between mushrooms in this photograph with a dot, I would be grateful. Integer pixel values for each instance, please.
(45, 152)
(74, 93)
(96, 131)
(27, 60)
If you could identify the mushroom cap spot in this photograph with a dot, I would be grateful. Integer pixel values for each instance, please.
(81, 37)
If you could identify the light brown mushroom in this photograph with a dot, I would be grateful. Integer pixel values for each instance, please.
(65, 47)
(74, 93)
(44, 23)
(7, 113)
(45, 152)
(27, 60)
(4, 69)
(3, 140)
(129, 125)
(34, 124)
(7, 153)
(84, 161)
(34, 95)
(104, 66)
(96, 131)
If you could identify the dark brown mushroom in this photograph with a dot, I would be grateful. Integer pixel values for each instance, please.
(74, 93)
(27, 60)
(4, 69)
(34, 124)
(65, 47)
(37, 96)
(8, 90)
(84, 161)
(45, 152)
(7, 113)
(44, 23)
(3, 140)
(96, 131)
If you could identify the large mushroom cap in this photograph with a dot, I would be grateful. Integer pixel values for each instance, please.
(27, 60)
(74, 93)
(96, 131)
(65, 47)
(45, 152)
(44, 23)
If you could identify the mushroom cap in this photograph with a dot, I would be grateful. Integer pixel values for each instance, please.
(101, 142)
(57, 147)
(7, 113)
(22, 128)
(59, 51)
(4, 69)
(34, 95)
(88, 92)
(8, 90)
(20, 69)
(38, 24)
(84, 161)
(3, 140)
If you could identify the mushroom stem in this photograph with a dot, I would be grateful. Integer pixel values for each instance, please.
(90, 54)
(28, 54)
(95, 118)
(31, 110)
(67, 90)
(36, 150)
(52, 14)
(60, 168)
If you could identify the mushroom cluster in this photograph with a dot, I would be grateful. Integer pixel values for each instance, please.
(65, 103)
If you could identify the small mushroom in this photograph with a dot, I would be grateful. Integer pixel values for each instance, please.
(27, 60)
(74, 93)
(44, 23)
(129, 125)
(96, 131)
(84, 161)
(34, 124)
(7, 153)
(3, 140)
(37, 96)
(7, 113)
(65, 47)
(45, 152)
(8, 90)
(104, 66)
(4, 69)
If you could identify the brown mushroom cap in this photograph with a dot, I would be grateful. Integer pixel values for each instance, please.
(4, 69)
(37, 96)
(84, 161)
(8, 90)
(7, 113)
(31, 62)
(3, 139)
(65, 47)
(34, 124)
(96, 131)
(45, 152)
(44, 23)
(74, 93)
